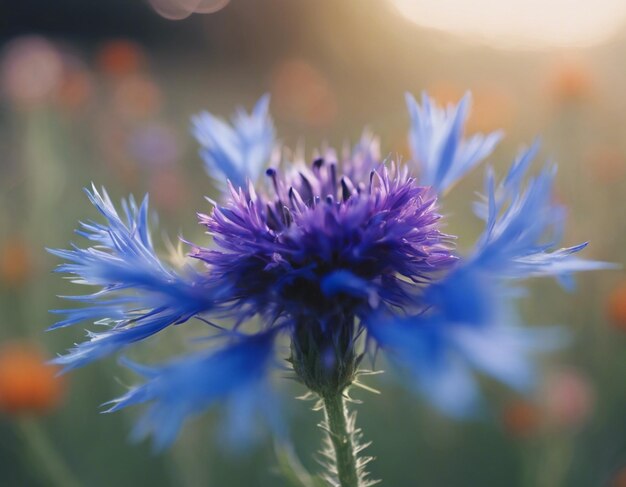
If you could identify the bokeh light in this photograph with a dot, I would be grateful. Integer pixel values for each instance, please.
(301, 93)
(181, 9)
(616, 306)
(521, 24)
(521, 418)
(120, 57)
(16, 264)
(568, 398)
(28, 385)
(31, 70)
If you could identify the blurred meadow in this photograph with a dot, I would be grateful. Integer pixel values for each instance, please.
(103, 92)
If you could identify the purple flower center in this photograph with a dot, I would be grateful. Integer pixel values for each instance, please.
(327, 242)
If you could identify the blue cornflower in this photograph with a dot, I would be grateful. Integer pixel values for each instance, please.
(325, 253)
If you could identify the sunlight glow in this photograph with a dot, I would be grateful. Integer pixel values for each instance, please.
(521, 23)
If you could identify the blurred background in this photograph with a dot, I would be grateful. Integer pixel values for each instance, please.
(103, 92)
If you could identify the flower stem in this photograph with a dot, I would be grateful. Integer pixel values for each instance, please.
(45, 455)
(341, 435)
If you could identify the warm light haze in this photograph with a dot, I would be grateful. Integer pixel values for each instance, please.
(521, 24)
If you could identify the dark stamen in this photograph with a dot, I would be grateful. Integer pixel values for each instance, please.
(273, 174)
(333, 177)
(287, 218)
(296, 199)
(319, 162)
(272, 220)
(347, 188)
(307, 189)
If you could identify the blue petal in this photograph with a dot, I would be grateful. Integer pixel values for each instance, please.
(418, 348)
(437, 144)
(236, 375)
(238, 152)
(524, 227)
(139, 295)
(440, 357)
(506, 353)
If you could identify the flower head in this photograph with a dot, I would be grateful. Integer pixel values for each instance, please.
(324, 253)
(326, 245)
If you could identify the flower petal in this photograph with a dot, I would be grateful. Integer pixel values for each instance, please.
(238, 152)
(437, 144)
(139, 294)
(236, 375)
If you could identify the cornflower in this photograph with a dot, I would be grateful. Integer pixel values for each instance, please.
(344, 256)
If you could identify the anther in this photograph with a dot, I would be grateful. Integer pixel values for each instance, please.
(287, 218)
(272, 220)
(347, 188)
(307, 189)
(273, 174)
(333, 176)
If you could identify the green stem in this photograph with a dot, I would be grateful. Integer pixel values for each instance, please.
(340, 432)
(45, 455)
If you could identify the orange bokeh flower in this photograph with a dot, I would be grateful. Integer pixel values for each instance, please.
(493, 106)
(137, 97)
(27, 383)
(302, 93)
(521, 419)
(616, 306)
(15, 262)
(75, 90)
(571, 82)
(620, 479)
(120, 57)
(445, 92)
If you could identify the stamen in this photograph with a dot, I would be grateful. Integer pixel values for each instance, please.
(287, 218)
(273, 174)
(333, 177)
(347, 188)
(296, 199)
(318, 163)
(306, 189)
(272, 220)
